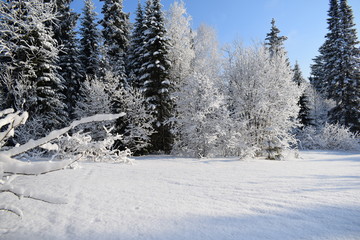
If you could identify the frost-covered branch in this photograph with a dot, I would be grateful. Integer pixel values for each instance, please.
(16, 167)
(18, 193)
(11, 167)
(57, 133)
(10, 122)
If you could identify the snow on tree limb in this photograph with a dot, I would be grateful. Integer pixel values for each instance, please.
(12, 166)
(21, 194)
(11, 209)
(55, 134)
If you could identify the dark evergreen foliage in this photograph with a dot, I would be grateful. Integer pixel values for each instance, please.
(154, 75)
(347, 92)
(69, 63)
(304, 114)
(116, 32)
(90, 40)
(316, 78)
(336, 70)
(34, 54)
(274, 42)
(136, 50)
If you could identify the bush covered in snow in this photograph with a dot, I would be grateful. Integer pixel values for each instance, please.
(81, 143)
(329, 137)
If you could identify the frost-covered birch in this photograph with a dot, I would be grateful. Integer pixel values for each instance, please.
(201, 114)
(182, 52)
(263, 99)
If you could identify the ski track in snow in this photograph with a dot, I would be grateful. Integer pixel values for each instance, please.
(164, 197)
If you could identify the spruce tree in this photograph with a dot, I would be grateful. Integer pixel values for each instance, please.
(346, 81)
(90, 40)
(116, 31)
(155, 75)
(317, 74)
(34, 55)
(304, 113)
(273, 41)
(330, 52)
(336, 70)
(325, 68)
(69, 63)
(136, 49)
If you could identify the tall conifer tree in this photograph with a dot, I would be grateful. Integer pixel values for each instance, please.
(336, 70)
(34, 55)
(304, 114)
(345, 85)
(116, 31)
(136, 50)
(273, 41)
(90, 40)
(155, 74)
(69, 62)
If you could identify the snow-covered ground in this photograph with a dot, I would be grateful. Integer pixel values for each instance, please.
(163, 197)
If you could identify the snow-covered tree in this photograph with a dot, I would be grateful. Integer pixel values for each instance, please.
(137, 126)
(316, 78)
(33, 54)
(116, 32)
(319, 107)
(201, 121)
(182, 52)
(155, 74)
(346, 82)
(200, 117)
(90, 40)
(136, 50)
(70, 66)
(264, 100)
(336, 69)
(329, 54)
(207, 58)
(94, 100)
(304, 114)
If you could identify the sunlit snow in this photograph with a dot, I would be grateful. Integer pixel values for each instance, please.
(164, 197)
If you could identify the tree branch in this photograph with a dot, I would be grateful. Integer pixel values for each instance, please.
(57, 133)
(19, 195)
(23, 168)
(11, 211)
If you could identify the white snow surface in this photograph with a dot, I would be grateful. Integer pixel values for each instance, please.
(162, 197)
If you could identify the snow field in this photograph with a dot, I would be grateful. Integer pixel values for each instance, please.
(164, 197)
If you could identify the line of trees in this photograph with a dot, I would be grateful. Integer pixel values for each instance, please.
(180, 94)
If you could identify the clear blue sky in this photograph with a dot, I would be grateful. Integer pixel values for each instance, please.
(302, 21)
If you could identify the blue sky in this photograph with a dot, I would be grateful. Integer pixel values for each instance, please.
(302, 21)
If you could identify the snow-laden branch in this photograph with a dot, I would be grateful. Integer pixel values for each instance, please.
(11, 167)
(57, 133)
(11, 209)
(10, 122)
(20, 193)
